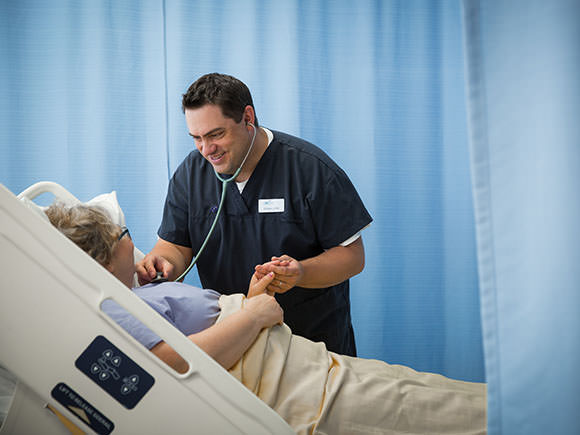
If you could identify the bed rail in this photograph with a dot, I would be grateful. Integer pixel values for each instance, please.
(50, 318)
(41, 187)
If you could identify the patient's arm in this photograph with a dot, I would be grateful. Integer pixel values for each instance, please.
(166, 257)
(227, 340)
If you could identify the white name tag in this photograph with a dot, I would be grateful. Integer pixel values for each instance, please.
(271, 205)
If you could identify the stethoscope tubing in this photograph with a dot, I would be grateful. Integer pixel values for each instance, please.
(225, 182)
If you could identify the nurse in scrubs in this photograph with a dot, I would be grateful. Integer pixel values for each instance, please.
(291, 211)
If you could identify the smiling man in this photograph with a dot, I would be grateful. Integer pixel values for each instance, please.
(291, 211)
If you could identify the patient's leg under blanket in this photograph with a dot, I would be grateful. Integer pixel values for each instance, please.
(322, 392)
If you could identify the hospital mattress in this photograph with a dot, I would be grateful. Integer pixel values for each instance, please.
(70, 358)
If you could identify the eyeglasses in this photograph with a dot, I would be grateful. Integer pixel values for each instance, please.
(124, 230)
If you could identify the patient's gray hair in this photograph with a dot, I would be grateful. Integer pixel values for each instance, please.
(89, 227)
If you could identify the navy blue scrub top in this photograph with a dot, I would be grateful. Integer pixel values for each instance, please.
(321, 210)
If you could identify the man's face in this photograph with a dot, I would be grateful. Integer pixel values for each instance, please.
(220, 140)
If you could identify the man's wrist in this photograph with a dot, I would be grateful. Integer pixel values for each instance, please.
(301, 281)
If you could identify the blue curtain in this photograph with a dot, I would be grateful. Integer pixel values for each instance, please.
(523, 62)
(83, 102)
(92, 100)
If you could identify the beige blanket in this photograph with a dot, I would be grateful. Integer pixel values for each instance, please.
(317, 391)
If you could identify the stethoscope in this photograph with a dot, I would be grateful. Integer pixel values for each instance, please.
(225, 182)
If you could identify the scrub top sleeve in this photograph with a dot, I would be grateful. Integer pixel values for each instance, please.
(174, 226)
(337, 211)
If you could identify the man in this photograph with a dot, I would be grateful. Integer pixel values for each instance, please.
(291, 211)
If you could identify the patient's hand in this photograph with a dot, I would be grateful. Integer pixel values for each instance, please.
(147, 268)
(287, 270)
(266, 309)
(258, 285)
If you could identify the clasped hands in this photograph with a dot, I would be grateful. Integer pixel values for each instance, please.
(283, 272)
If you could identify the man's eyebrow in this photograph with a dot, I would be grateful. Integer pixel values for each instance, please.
(209, 132)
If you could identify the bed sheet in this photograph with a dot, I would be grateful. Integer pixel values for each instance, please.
(317, 391)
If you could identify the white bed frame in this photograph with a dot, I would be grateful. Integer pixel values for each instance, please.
(50, 294)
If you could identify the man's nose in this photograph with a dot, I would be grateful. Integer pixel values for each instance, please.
(206, 146)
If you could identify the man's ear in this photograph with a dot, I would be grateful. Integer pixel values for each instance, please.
(249, 115)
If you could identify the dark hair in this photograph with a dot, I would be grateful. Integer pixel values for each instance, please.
(227, 92)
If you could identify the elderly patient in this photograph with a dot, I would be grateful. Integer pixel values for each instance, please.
(314, 390)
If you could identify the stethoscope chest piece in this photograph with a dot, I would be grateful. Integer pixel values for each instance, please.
(159, 278)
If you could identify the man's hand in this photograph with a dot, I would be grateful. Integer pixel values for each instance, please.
(329, 268)
(287, 271)
(147, 268)
(265, 309)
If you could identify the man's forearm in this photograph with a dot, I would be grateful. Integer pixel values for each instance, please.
(333, 266)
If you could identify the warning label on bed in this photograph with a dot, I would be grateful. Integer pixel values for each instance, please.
(71, 400)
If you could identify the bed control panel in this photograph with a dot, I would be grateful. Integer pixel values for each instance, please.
(114, 372)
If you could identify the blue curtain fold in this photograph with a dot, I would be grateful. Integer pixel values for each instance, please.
(93, 93)
(523, 64)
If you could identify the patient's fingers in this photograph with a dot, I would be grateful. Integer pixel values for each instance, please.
(287, 273)
(269, 266)
(259, 274)
(259, 285)
(283, 266)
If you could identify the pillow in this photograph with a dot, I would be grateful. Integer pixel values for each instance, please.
(109, 203)
(106, 201)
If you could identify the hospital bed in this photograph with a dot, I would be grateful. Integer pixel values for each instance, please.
(76, 369)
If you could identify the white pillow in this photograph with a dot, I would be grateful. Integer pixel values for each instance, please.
(108, 202)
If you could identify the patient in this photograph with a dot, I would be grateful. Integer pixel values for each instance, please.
(314, 390)
(191, 310)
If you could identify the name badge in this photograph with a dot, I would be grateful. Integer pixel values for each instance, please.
(271, 205)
